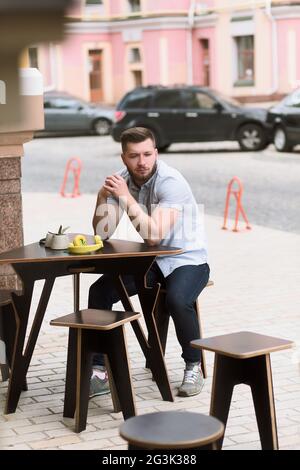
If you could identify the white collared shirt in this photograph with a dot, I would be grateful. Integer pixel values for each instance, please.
(168, 188)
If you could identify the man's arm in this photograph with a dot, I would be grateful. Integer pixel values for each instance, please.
(151, 228)
(106, 216)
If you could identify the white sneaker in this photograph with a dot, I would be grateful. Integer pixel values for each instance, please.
(99, 384)
(193, 380)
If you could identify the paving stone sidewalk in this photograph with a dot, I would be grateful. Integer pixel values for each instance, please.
(257, 279)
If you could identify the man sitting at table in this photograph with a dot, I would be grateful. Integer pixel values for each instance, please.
(162, 208)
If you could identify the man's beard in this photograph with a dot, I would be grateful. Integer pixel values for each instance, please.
(139, 179)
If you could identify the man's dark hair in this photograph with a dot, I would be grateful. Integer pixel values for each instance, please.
(135, 135)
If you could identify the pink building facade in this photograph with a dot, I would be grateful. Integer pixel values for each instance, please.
(247, 49)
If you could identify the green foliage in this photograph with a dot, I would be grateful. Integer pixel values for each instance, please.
(62, 230)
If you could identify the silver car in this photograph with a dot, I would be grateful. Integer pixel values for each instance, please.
(65, 114)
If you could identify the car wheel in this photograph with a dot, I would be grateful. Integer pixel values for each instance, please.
(102, 126)
(251, 137)
(281, 141)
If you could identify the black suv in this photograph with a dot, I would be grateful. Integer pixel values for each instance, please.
(191, 114)
(285, 121)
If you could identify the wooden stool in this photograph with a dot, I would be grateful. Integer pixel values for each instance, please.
(7, 329)
(93, 331)
(162, 318)
(244, 357)
(172, 430)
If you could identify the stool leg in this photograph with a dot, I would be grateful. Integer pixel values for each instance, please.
(118, 358)
(112, 386)
(202, 353)
(8, 330)
(3, 367)
(260, 381)
(132, 447)
(4, 372)
(70, 388)
(83, 375)
(162, 318)
(226, 376)
(76, 291)
(9, 326)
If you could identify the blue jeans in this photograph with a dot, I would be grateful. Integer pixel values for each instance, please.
(183, 286)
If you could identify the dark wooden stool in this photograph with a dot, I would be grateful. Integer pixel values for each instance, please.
(8, 329)
(93, 331)
(172, 430)
(162, 318)
(244, 357)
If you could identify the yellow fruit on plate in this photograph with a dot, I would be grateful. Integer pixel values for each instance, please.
(97, 239)
(71, 245)
(79, 240)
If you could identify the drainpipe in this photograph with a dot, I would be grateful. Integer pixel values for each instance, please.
(268, 11)
(189, 42)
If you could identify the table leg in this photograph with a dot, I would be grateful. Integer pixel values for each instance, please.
(20, 360)
(152, 352)
(148, 298)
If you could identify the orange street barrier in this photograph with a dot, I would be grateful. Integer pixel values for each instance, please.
(74, 165)
(239, 208)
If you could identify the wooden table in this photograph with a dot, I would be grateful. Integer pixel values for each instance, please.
(34, 262)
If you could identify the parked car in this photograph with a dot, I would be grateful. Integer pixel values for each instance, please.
(65, 113)
(285, 121)
(191, 114)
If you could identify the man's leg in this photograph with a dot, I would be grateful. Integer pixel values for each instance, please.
(183, 287)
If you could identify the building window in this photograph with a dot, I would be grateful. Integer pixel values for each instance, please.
(198, 100)
(95, 74)
(134, 55)
(33, 57)
(94, 7)
(167, 99)
(137, 76)
(134, 5)
(245, 60)
(139, 99)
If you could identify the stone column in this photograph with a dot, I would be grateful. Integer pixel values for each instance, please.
(11, 225)
(12, 139)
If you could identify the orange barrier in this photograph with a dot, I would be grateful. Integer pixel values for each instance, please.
(239, 208)
(71, 166)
